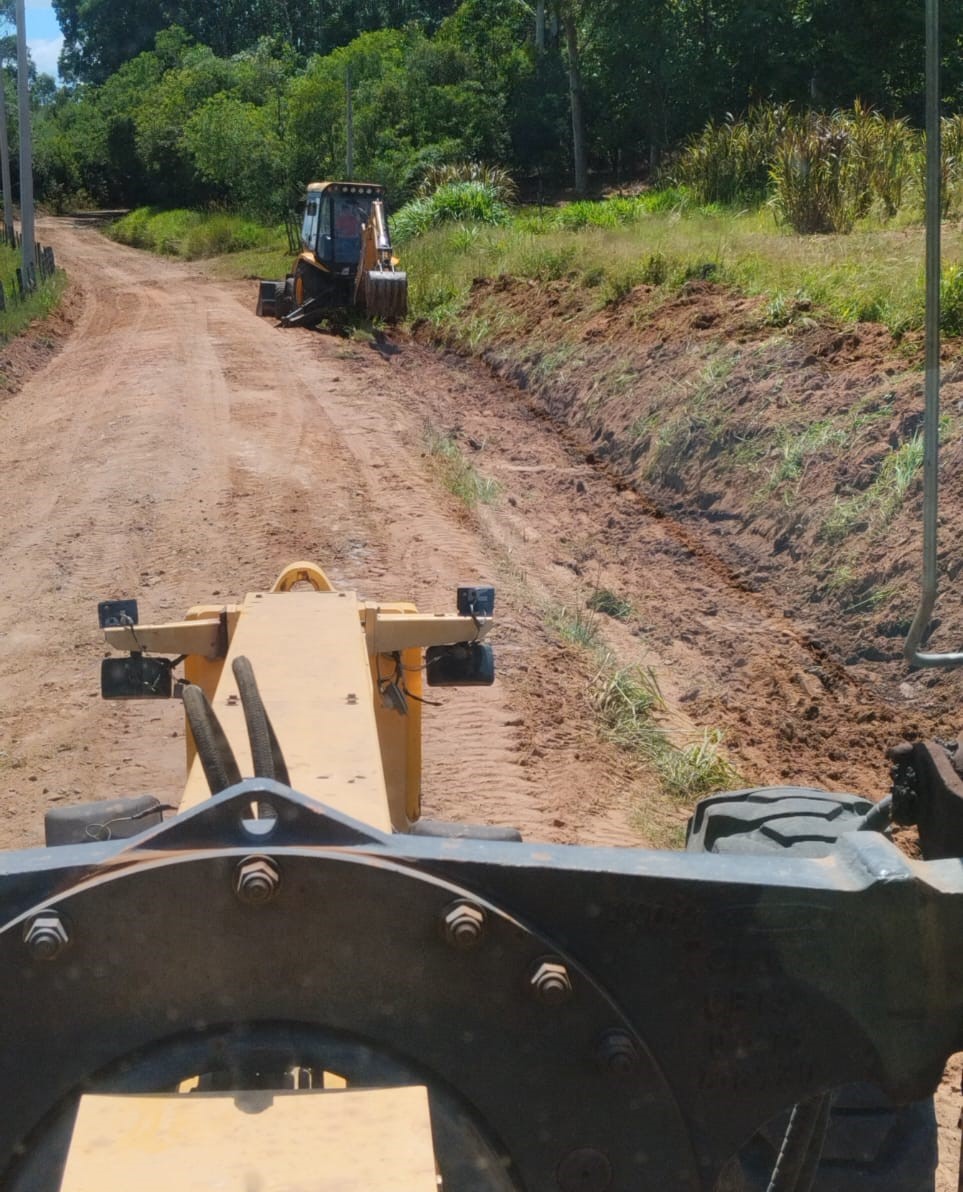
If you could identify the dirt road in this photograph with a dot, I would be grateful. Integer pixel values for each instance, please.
(179, 450)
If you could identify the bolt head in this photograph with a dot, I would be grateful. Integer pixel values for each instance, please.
(617, 1053)
(46, 936)
(550, 983)
(256, 880)
(584, 1170)
(464, 925)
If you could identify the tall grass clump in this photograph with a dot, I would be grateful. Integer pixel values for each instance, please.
(453, 202)
(495, 179)
(951, 165)
(821, 171)
(729, 163)
(818, 176)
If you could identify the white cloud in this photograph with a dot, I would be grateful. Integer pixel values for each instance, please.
(45, 52)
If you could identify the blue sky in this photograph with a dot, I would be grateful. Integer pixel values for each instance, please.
(43, 35)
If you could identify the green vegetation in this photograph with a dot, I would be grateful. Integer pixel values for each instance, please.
(690, 771)
(458, 475)
(878, 505)
(875, 274)
(193, 235)
(187, 102)
(453, 202)
(626, 699)
(21, 313)
(602, 600)
(578, 626)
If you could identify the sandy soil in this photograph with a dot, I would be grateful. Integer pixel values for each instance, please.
(179, 450)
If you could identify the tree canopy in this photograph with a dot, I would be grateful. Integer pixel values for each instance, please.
(243, 101)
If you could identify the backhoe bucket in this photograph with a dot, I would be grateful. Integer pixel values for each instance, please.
(386, 294)
(267, 298)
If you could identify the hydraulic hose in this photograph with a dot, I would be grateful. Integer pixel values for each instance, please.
(878, 818)
(265, 750)
(213, 747)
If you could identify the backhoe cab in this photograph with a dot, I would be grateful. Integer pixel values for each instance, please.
(345, 259)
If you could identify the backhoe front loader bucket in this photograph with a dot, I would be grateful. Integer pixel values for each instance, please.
(386, 294)
(267, 298)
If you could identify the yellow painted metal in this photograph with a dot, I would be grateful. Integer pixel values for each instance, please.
(389, 630)
(200, 670)
(364, 1140)
(399, 735)
(302, 572)
(200, 636)
(342, 681)
(319, 186)
(310, 657)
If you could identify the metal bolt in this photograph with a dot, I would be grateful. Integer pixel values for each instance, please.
(464, 925)
(256, 880)
(551, 983)
(46, 936)
(584, 1170)
(617, 1053)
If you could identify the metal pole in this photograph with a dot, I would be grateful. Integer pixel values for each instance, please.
(350, 121)
(931, 419)
(26, 151)
(5, 162)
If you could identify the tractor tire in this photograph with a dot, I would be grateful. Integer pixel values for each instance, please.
(303, 284)
(871, 1144)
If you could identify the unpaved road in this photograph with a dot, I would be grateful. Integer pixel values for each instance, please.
(180, 450)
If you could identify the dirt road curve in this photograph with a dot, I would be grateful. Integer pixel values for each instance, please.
(181, 450)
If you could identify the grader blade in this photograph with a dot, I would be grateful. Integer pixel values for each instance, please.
(386, 294)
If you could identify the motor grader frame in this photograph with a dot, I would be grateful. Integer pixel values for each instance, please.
(579, 1018)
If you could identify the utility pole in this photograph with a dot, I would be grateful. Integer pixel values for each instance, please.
(5, 163)
(26, 151)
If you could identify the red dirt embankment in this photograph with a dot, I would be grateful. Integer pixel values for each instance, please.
(790, 454)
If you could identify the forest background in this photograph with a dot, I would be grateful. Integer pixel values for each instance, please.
(240, 103)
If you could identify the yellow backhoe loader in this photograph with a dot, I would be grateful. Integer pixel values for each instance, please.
(345, 260)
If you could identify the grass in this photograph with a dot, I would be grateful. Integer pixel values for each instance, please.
(603, 600)
(795, 446)
(578, 626)
(459, 476)
(878, 505)
(626, 700)
(610, 248)
(36, 305)
(194, 235)
(873, 273)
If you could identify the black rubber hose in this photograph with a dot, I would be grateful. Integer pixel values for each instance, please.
(801, 1142)
(878, 818)
(213, 747)
(265, 750)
